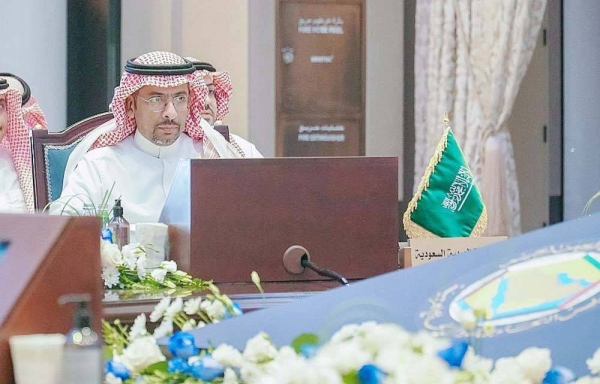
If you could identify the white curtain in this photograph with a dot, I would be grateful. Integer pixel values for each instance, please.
(470, 58)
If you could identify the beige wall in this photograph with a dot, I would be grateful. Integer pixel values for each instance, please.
(150, 32)
(221, 38)
(34, 46)
(261, 66)
(385, 81)
(530, 114)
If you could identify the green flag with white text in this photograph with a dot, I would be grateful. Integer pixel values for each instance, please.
(447, 202)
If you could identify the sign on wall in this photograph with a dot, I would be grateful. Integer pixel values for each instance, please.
(320, 78)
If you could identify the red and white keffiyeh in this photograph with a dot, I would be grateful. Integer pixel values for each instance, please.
(32, 113)
(223, 86)
(130, 83)
(16, 142)
(223, 91)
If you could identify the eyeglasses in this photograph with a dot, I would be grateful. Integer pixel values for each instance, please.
(158, 103)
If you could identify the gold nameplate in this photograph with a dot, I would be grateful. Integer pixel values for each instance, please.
(421, 251)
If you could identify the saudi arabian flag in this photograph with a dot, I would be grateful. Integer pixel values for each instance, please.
(447, 203)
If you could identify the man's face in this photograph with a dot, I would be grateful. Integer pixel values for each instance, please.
(3, 117)
(209, 110)
(160, 113)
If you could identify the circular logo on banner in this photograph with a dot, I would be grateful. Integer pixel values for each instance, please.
(553, 284)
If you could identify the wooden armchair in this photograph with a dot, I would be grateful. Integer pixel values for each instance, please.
(50, 152)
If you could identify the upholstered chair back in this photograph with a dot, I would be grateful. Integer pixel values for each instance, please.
(50, 152)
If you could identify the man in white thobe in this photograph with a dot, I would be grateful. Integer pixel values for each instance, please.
(216, 106)
(16, 180)
(135, 156)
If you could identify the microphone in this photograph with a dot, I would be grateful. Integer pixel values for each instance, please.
(296, 259)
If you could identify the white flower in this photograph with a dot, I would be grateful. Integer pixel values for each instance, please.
(391, 359)
(427, 343)
(159, 274)
(175, 307)
(170, 266)
(343, 357)
(188, 325)
(227, 355)
(259, 349)
(535, 362)
(479, 366)
(131, 252)
(214, 309)
(346, 332)
(256, 280)
(508, 371)
(587, 380)
(110, 254)
(201, 324)
(254, 373)
(164, 329)
(160, 309)
(204, 304)
(192, 306)
(593, 364)
(110, 275)
(383, 336)
(141, 266)
(427, 369)
(142, 353)
(289, 367)
(138, 329)
(112, 379)
(230, 377)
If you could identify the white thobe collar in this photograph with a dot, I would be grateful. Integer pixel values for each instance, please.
(11, 196)
(158, 151)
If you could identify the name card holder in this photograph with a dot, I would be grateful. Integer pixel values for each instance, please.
(422, 251)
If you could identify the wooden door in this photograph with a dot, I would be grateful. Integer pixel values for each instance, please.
(320, 77)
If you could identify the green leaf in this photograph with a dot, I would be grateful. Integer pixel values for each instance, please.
(305, 338)
(351, 378)
(464, 377)
(161, 366)
(107, 353)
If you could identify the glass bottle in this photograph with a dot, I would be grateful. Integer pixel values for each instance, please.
(119, 226)
(82, 356)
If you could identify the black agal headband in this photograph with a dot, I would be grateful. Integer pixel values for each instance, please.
(3, 84)
(26, 90)
(152, 69)
(202, 65)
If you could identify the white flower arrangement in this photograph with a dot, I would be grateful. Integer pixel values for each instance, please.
(128, 269)
(367, 353)
(134, 349)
